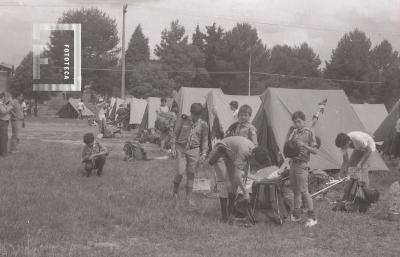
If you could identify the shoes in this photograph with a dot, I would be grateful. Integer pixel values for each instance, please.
(294, 219)
(311, 223)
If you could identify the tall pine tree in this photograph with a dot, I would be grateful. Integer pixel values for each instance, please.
(138, 49)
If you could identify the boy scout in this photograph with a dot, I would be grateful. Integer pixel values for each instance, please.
(236, 152)
(190, 144)
(244, 128)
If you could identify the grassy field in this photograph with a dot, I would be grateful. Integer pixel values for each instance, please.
(48, 208)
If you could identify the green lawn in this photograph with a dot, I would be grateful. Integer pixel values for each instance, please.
(48, 208)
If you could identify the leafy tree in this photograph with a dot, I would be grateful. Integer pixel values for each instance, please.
(198, 39)
(385, 63)
(22, 82)
(234, 54)
(350, 61)
(301, 61)
(149, 79)
(99, 45)
(185, 62)
(138, 50)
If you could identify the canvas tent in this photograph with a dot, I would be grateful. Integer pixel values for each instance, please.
(371, 115)
(70, 110)
(386, 130)
(274, 119)
(220, 116)
(137, 109)
(114, 107)
(189, 95)
(150, 115)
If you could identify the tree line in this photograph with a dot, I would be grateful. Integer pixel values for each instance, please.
(215, 57)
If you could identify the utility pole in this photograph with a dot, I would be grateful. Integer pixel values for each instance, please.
(249, 72)
(123, 52)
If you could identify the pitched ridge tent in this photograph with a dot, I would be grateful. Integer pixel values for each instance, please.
(114, 107)
(70, 110)
(220, 116)
(189, 95)
(150, 115)
(386, 130)
(371, 115)
(137, 109)
(274, 119)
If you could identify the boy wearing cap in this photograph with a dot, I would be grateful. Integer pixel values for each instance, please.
(190, 144)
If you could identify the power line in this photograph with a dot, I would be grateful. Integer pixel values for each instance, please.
(244, 72)
(307, 77)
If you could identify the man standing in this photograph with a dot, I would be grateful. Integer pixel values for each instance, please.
(5, 109)
(17, 116)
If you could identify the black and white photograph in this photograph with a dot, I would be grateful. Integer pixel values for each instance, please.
(199, 128)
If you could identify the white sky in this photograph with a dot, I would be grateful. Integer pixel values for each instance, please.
(320, 23)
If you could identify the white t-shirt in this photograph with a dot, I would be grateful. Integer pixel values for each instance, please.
(362, 141)
(81, 106)
(397, 127)
(235, 115)
(163, 109)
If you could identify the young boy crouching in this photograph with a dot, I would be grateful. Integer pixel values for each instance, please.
(230, 158)
(93, 155)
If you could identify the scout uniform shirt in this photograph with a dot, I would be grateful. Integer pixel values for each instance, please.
(190, 135)
(238, 149)
(95, 148)
(306, 136)
(246, 130)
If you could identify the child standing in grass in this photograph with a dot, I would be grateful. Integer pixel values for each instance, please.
(299, 167)
(93, 155)
(243, 127)
(190, 144)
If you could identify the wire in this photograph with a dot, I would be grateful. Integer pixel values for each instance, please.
(306, 77)
(244, 72)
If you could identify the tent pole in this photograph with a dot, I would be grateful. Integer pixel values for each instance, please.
(249, 72)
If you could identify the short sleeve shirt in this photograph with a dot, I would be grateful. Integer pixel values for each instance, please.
(246, 130)
(163, 109)
(239, 150)
(306, 136)
(362, 141)
(93, 149)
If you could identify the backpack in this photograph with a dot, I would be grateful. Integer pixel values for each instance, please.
(291, 149)
(133, 151)
(164, 121)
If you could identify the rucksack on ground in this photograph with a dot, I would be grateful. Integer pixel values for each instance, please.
(133, 151)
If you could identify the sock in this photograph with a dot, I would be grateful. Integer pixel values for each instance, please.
(296, 213)
(177, 181)
(231, 203)
(224, 210)
(311, 214)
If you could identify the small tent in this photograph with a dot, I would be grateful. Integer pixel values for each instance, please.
(371, 115)
(150, 114)
(189, 95)
(70, 110)
(274, 119)
(137, 109)
(220, 116)
(386, 130)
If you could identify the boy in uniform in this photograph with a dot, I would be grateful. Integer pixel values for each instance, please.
(190, 144)
(235, 152)
(299, 167)
(93, 155)
(243, 127)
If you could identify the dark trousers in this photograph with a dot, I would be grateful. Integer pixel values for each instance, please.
(3, 137)
(96, 164)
